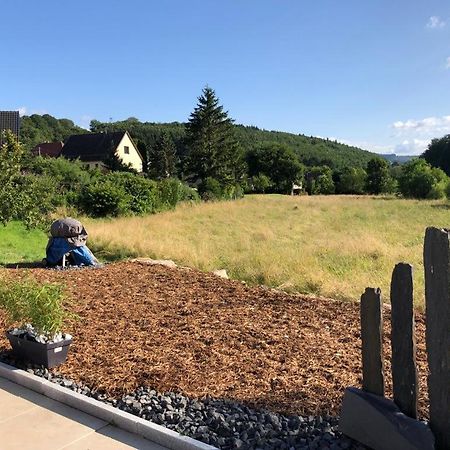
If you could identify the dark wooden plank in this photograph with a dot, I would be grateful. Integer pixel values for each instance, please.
(372, 339)
(437, 303)
(403, 340)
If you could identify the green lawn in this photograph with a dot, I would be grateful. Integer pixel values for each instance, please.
(17, 244)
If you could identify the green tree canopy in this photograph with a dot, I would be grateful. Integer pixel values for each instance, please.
(213, 150)
(352, 180)
(419, 180)
(24, 197)
(319, 180)
(379, 180)
(438, 153)
(278, 163)
(36, 129)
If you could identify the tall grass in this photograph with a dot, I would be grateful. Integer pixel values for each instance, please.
(328, 245)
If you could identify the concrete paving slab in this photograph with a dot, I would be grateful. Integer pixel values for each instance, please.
(31, 420)
(112, 437)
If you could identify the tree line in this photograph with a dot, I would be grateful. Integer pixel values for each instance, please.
(224, 160)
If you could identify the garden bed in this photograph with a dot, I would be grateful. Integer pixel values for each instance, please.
(186, 331)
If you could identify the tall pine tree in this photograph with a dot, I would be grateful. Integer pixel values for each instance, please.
(162, 158)
(213, 150)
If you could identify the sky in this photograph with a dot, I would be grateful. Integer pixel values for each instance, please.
(372, 74)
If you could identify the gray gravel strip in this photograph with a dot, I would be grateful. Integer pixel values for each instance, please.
(222, 423)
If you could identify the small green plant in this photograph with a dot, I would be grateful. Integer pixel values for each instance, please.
(28, 302)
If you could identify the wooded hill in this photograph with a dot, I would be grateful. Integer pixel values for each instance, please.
(312, 151)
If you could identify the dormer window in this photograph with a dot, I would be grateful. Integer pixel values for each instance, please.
(126, 150)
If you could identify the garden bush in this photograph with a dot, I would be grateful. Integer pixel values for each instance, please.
(142, 195)
(104, 198)
(173, 191)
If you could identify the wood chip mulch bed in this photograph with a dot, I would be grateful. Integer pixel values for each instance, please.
(187, 331)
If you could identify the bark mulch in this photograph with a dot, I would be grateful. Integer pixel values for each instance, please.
(193, 332)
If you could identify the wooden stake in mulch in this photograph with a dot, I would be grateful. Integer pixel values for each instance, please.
(437, 302)
(403, 341)
(372, 341)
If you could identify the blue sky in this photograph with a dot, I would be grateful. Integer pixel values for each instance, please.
(374, 74)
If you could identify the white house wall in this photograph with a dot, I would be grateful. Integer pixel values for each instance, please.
(133, 157)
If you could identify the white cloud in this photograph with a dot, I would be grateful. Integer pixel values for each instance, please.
(411, 147)
(435, 22)
(22, 111)
(428, 125)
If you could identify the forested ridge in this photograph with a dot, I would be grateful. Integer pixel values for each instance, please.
(311, 151)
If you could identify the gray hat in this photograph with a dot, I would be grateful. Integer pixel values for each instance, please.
(70, 229)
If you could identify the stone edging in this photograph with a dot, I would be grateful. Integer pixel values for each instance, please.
(128, 422)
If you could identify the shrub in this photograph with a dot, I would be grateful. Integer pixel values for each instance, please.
(232, 192)
(173, 191)
(169, 193)
(141, 193)
(104, 198)
(210, 189)
(40, 305)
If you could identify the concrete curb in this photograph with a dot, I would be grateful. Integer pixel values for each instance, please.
(128, 422)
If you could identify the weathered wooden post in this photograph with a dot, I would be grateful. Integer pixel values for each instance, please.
(437, 303)
(403, 341)
(372, 341)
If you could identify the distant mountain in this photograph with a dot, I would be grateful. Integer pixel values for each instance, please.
(400, 159)
(312, 151)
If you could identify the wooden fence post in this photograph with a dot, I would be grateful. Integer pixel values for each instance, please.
(372, 341)
(403, 341)
(437, 301)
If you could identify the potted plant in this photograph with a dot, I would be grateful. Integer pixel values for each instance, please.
(40, 313)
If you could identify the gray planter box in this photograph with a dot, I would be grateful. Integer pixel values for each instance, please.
(47, 355)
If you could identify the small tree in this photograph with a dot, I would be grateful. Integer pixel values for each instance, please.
(162, 158)
(379, 180)
(438, 153)
(352, 180)
(319, 180)
(260, 183)
(419, 180)
(11, 154)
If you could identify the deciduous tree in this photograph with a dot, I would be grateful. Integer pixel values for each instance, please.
(379, 180)
(438, 153)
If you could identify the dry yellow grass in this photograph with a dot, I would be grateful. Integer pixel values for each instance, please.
(328, 245)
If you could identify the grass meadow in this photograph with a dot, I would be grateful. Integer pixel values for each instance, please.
(17, 244)
(332, 246)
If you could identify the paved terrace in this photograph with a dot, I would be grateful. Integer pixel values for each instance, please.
(30, 420)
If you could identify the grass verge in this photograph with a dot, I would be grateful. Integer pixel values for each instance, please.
(19, 245)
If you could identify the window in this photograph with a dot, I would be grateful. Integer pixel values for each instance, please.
(126, 150)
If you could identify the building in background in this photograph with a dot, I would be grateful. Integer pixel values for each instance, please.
(50, 149)
(9, 120)
(95, 148)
